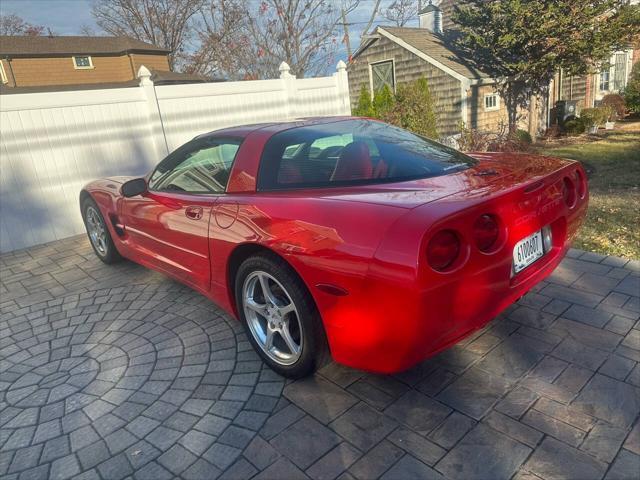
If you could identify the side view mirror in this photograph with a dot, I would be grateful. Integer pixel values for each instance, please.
(134, 187)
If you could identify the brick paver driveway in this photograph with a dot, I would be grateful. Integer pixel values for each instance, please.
(110, 372)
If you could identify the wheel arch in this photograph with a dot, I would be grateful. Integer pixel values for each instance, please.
(243, 251)
(84, 195)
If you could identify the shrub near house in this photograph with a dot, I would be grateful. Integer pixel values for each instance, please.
(412, 107)
(632, 92)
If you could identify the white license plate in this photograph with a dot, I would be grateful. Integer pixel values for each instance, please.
(527, 251)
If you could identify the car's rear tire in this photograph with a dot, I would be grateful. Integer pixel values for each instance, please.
(283, 325)
(98, 233)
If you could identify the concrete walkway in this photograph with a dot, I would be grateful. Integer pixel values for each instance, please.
(115, 371)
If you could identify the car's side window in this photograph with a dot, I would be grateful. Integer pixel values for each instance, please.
(202, 166)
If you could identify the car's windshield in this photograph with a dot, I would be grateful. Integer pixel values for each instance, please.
(352, 152)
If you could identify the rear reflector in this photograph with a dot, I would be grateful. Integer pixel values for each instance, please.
(547, 239)
(486, 232)
(443, 249)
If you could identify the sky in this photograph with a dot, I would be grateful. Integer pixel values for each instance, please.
(63, 17)
(67, 17)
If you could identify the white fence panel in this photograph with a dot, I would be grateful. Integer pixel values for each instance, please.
(189, 110)
(54, 143)
(317, 97)
(51, 144)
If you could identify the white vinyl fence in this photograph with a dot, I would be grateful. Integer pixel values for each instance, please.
(51, 144)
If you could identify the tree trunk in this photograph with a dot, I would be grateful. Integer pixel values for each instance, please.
(512, 113)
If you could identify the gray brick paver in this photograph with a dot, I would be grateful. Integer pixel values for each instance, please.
(484, 453)
(175, 389)
(554, 459)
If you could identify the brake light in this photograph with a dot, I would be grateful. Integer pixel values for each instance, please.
(582, 184)
(569, 192)
(486, 232)
(443, 249)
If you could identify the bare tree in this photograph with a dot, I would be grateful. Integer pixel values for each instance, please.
(165, 23)
(248, 40)
(372, 17)
(15, 25)
(222, 40)
(400, 12)
(345, 25)
(87, 30)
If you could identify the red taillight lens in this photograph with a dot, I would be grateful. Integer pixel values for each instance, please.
(443, 249)
(569, 192)
(486, 232)
(581, 183)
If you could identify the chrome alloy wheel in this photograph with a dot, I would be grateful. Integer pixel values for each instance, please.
(272, 318)
(97, 230)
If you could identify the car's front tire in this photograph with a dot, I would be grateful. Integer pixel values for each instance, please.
(98, 233)
(279, 316)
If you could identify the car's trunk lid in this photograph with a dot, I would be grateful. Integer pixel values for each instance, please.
(494, 172)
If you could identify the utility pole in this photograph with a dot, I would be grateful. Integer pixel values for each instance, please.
(347, 40)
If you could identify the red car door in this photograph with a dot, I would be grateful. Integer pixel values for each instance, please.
(168, 226)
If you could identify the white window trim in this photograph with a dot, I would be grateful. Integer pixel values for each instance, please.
(497, 106)
(75, 65)
(393, 68)
(3, 75)
(612, 72)
(599, 80)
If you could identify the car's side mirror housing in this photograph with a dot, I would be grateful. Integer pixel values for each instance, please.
(134, 187)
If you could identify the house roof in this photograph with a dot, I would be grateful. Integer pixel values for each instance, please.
(165, 77)
(429, 8)
(437, 47)
(159, 77)
(46, 46)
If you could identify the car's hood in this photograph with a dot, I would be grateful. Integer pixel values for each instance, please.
(494, 172)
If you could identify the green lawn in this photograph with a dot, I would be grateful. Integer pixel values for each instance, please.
(613, 166)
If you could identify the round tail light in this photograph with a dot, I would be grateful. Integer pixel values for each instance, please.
(582, 184)
(486, 232)
(443, 249)
(569, 192)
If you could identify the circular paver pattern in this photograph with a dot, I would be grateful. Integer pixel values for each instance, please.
(137, 380)
(53, 381)
(150, 381)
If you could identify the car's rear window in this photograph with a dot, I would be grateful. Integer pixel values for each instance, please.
(352, 152)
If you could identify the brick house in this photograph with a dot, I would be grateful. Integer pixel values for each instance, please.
(51, 63)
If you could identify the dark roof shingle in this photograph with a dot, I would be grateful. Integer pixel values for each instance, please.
(42, 46)
(439, 47)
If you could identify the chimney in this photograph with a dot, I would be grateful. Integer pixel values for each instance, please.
(431, 18)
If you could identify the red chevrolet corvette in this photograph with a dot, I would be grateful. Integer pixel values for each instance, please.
(343, 235)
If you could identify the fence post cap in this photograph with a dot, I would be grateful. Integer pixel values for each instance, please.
(284, 70)
(144, 75)
(341, 66)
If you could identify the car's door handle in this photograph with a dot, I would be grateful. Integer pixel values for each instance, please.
(194, 213)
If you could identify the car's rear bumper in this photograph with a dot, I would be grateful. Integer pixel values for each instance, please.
(394, 321)
(409, 326)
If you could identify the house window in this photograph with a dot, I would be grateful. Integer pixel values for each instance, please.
(491, 102)
(82, 62)
(620, 72)
(3, 75)
(381, 75)
(604, 80)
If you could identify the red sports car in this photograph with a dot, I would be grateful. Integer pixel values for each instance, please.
(343, 235)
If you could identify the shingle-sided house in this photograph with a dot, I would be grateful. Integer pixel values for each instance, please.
(462, 91)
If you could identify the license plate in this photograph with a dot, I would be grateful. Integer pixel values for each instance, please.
(527, 251)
